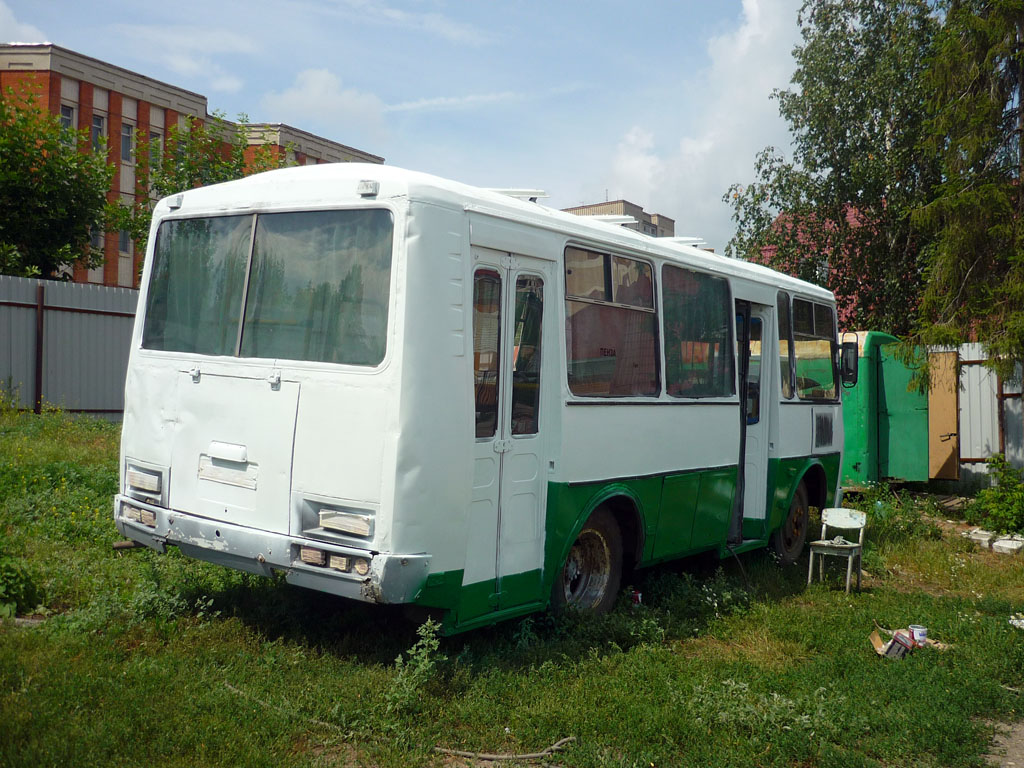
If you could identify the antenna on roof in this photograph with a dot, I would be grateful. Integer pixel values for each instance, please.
(522, 194)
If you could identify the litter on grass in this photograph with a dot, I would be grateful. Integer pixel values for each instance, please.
(900, 642)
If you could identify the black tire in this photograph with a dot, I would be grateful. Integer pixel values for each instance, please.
(589, 579)
(788, 539)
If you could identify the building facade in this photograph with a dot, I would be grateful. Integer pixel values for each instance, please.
(653, 224)
(120, 105)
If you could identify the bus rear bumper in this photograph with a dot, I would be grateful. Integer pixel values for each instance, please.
(392, 578)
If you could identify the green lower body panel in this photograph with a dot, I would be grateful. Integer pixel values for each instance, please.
(671, 516)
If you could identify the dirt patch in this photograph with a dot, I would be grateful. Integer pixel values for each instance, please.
(1008, 746)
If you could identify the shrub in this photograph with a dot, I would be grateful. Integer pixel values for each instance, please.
(895, 517)
(1000, 507)
(18, 592)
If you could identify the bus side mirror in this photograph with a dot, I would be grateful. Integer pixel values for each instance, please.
(848, 364)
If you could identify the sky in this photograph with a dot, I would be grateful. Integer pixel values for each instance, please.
(661, 102)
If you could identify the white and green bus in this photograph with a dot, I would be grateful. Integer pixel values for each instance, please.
(401, 389)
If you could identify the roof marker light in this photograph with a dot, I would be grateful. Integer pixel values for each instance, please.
(174, 202)
(368, 188)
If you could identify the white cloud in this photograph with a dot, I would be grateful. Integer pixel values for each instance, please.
(317, 96)
(13, 31)
(473, 100)
(686, 178)
(440, 103)
(635, 166)
(376, 12)
(190, 51)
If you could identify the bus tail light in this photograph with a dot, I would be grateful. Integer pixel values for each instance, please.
(138, 515)
(143, 482)
(312, 556)
(345, 522)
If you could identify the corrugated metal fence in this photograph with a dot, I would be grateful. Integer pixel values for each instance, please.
(65, 344)
(991, 418)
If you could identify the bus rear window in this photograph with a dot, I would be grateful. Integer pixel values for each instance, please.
(318, 286)
(195, 291)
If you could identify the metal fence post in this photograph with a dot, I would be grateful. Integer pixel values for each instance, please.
(40, 317)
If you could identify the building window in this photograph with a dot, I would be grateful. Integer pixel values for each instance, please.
(96, 237)
(67, 124)
(67, 117)
(124, 241)
(127, 143)
(99, 129)
(156, 149)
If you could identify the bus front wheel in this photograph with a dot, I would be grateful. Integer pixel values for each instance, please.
(589, 579)
(788, 539)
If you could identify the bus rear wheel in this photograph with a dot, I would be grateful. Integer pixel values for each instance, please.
(788, 539)
(589, 578)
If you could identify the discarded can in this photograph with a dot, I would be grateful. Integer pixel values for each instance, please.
(636, 598)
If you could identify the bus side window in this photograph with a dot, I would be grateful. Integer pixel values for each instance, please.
(610, 325)
(785, 365)
(814, 341)
(486, 343)
(698, 348)
(754, 373)
(526, 355)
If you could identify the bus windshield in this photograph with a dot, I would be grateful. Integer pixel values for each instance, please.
(315, 285)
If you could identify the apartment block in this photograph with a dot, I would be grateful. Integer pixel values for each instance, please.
(654, 224)
(118, 104)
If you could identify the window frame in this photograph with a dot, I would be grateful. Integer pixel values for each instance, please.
(833, 346)
(97, 131)
(654, 310)
(729, 354)
(70, 117)
(124, 242)
(128, 134)
(235, 355)
(785, 296)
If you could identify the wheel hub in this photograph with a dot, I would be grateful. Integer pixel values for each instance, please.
(587, 570)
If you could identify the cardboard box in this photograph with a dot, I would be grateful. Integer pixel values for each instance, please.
(896, 647)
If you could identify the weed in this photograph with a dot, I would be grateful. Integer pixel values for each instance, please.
(896, 517)
(734, 704)
(415, 670)
(18, 590)
(999, 507)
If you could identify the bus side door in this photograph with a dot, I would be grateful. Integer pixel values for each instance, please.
(755, 332)
(506, 535)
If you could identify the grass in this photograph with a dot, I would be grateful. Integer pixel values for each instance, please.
(149, 659)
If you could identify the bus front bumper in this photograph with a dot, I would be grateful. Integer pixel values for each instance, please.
(391, 578)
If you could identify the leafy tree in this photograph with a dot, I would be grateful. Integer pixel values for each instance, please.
(838, 212)
(52, 192)
(194, 155)
(975, 89)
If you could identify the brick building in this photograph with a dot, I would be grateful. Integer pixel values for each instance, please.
(118, 104)
(654, 224)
